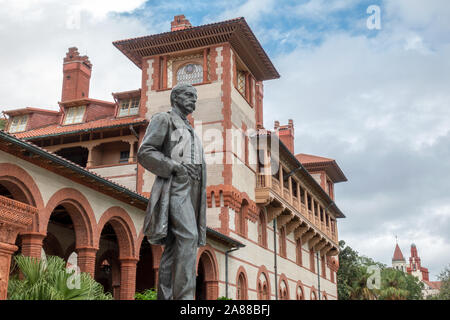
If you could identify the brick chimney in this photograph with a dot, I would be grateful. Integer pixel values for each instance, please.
(180, 23)
(286, 134)
(77, 75)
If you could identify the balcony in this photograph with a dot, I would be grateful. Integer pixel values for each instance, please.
(268, 187)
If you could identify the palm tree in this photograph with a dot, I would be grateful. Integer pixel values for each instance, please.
(358, 289)
(392, 283)
(48, 279)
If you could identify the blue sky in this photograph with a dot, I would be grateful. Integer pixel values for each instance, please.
(377, 101)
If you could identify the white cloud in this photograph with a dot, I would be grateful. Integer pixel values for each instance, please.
(37, 35)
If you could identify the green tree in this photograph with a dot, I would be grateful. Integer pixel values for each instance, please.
(353, 278)
(50, 280)
(149, 294)
(444, 277)
(2, 124)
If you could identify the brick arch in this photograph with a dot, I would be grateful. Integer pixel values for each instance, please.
(207, 257)
(24, 188)
(263, 270)
(157, 250)
(300, 285)
(284, 279)
(324, 295)
(241, 271)
(123, 227)
(80, 212)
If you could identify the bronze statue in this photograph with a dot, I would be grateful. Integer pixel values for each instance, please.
(176, 213)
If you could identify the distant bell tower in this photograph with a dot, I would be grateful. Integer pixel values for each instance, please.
(415, 267)
(398, 261)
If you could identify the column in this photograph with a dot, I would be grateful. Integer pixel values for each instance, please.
(6, 252)
(212, 289)
(90, 161)
(128, 278)
(86, 259)
(15, 217)
(131, 156)
(32, 244)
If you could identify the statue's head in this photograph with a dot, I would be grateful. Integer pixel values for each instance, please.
(184, 97)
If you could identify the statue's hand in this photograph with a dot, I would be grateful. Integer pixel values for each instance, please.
(179, 170)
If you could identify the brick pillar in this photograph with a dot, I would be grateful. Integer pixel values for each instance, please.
(6, 251)
(128, 278)
(32, 244)
(86, 259)
(212, 290)
(156, 274)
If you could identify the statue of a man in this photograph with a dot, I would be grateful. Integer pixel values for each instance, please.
(176, 213)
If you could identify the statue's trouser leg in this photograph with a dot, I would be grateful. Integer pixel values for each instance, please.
(183, 252)
(164, 291)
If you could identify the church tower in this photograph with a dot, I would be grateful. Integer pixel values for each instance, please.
(415, 268)
(398, 261)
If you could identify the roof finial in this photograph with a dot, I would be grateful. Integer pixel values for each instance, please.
(396, 239)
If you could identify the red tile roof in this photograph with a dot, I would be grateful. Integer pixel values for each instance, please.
(433, 284)
(309, 158)
(398, 255)
(56, 129)
(235, 31)
(28, 110)
(315, 163)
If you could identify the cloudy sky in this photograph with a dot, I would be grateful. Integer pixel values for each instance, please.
(376, 100)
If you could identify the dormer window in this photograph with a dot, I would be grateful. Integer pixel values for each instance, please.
(74, 115)
(18, 123)
(129, 107)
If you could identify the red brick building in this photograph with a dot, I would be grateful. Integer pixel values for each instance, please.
(70, 184)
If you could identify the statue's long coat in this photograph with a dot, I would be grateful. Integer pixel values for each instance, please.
(154, 154)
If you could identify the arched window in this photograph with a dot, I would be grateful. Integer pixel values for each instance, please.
(190, 74)
(283, 291)
(299, 252)
(283, 242)
(263, 287)
(241, 287)
(313, 295)
(300, 295)
(241, 219)
(262, 229)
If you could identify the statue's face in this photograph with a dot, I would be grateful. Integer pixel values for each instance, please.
(186, 100)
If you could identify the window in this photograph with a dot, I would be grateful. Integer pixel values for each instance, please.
(300, 295)
(190, 74)
(18, 123)
(129, 107)
(241, 77)
(262, 231)
(241, 287)
(283, 242)
(124, 155)
(74, 115)
(299, 252)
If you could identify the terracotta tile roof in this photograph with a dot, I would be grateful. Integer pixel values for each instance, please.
(235, 31)
(398, 255)
(29, 110)
(433, 284)
(309, 158)
(56, 129)
(315, 163)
